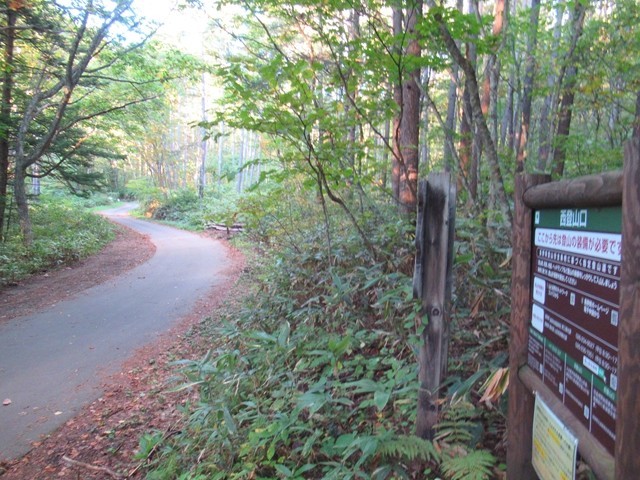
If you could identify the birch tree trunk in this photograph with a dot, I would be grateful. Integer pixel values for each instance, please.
(202, 175)
(220, 151)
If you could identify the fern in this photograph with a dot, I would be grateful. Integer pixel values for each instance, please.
(408, 447)
(458, 425)
(473, 465)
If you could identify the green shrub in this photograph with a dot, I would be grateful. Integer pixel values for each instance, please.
(315, 376)
(62, 232)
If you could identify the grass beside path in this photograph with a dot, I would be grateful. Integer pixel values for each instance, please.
(63, 233)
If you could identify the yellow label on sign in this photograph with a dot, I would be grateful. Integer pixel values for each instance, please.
(554, 446)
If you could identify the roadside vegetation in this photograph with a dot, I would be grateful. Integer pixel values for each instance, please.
(314, 376)
(64, 232)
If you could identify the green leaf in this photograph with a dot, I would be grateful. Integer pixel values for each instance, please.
(283, 337)
(314, 401)
(308, 445)
(271, 451)
(339, 347)
(344, 441)
(283, 470)
(380, 399)
(229, 422)
(305, 468)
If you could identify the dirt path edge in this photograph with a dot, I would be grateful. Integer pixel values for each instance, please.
(102, 440)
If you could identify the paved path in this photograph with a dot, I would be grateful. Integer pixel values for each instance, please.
(52, 362)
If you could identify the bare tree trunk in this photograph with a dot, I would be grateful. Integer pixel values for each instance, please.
(530, 63)
(492, 68)
(354, 33)
(507, 127)
(220, 151)
(465, 150)
(410, 132)
(385, 153)
(568, 94)
(407, 125)
(636, 123)
(242, 158)
(471, 82)
(5, 111)
(489, 108)
(397, 120)
(22, 204)
(564, 122)
(450, 122)
(424, 129)
(35, 179)
(202, 175)
(545, 128)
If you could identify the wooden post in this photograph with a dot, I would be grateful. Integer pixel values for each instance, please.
(627, 457)
(521, 402)
(432, 284)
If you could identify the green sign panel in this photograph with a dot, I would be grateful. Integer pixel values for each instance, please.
(608, 219)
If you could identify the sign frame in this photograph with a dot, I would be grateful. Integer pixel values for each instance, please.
(534, 192)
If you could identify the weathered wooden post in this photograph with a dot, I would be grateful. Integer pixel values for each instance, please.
(574, 377)
(432, 284)
(627, 452)
(520, 410)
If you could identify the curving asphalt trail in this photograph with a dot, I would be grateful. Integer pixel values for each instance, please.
(52, 362)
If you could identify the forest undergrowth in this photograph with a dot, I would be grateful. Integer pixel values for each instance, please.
(64, 232)
(315, 376)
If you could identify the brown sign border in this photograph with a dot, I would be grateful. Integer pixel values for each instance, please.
(534, 192)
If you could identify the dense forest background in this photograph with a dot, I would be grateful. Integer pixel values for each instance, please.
(309, 123)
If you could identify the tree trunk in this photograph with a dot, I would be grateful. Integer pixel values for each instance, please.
(202, 173)
(424, 129)
(488, 101)
(564, 122)
(450, 122)
(636, 123)
(545, 128)
(5, 112)
(220, 151)
(22, 204)
(397, 119)
(241, 160)
(507, 128)
(471, 83)
(385, 153)
(464, 149)
(523, 136)
(407, 124)
(492, 68)
(568, 94)
(354, 34)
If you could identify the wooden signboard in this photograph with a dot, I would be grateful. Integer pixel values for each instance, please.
(573, 336)
(575, 321)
